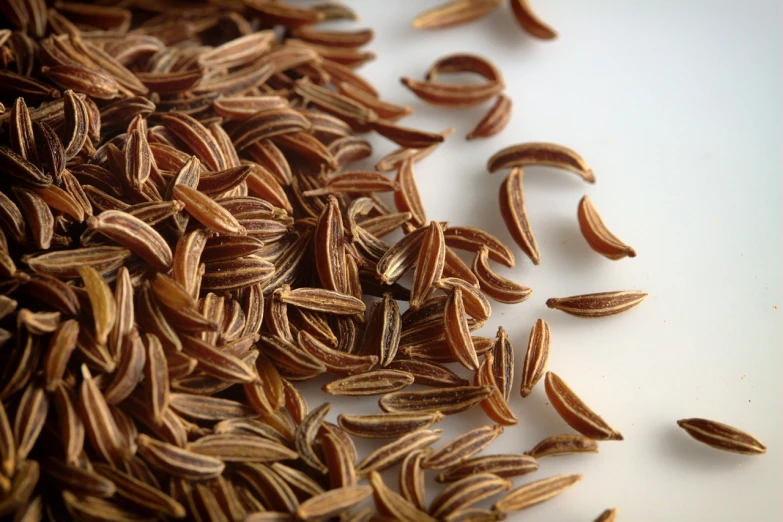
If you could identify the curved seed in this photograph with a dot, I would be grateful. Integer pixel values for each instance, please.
(386, 425)
(429, 264)
(304, 438)
(597, 235)
(603, 304)
(445, 400)
(454, 95)
(528, 20)
(373, 382)
(543, 154)
(722, 436)
(575, 412)
(394, 452)
(392, 504)
(495, 406)
(455, 326)
(609, 515)
(495, 286)
(473, 239)
(505, 465)
(332, 502)
(536, 356)
(467, 491)
(494, 121)
(514, 213)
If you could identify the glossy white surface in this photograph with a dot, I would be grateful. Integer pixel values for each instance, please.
(677, 107)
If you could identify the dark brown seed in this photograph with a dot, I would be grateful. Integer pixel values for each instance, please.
(304, 439)
(394, 506)
(722, 436)
(177, 461)
(23, 170)
(495, 286)
(575, 412)
(428, 373)
(134, 234)
(455, 326)
(473, 239)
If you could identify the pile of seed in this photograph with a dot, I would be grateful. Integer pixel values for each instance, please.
(182, 240)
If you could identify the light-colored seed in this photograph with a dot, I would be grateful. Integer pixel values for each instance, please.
(231, 447)
(495, 406)
(304, 438)
(455, 326)
(208, 212)
(373, 382)
(454, 13)
(597, 235)
(722, 436)
(448, 401)
(178, 461)
(332, 502)
(535, 492)
(609, 515)
(536, 356)
(411, 482)
(603, 304)
(393, 505)
(394, 452)
(429, 264)
(506, 465)
(462, 448)
(575, 412)
(466, 492)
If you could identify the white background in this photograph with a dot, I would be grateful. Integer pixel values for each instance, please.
(676, 105)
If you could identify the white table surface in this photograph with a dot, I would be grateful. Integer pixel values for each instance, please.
(677, 107)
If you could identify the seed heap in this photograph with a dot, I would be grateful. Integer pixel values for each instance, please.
(182, 240)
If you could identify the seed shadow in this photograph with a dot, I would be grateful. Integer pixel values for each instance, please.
(680, 448)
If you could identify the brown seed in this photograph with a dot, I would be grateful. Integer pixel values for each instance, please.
(514, 213)
(455, 326)
(445, 400)
(494, 121)
(335, 361)
(208, 212)
(536, 356)
(393, 505)
(304, 439)
(216, 362)
(507, 466)
(238, 447)
(543, 154)
(325, 301)
(386, 425)
(406, 137)
(129, 370)
(454, 13)
(355, 181)
(563, 445)
(467, 491)
(597, 235)
(575, 412)
(429, 265)
(22, 169)
(495, 286)
(134, 234)
(495, 406)
(30, 417)
(528, 20)
(411, 481)
(373, 382)
(333, 502)
(603, 304)
(7, 445)
(104, 308)
(177, 461)
(454, 95)
(476, 304)
(609, 515)
(339, 460)
(535, 492)
(328, 245)
(473, 239)
(197, 137)
(98, 420)
(139, 492)
(395, 451)
(84, 482)
(38, 216)
(462, 448)
(722, 436)
(428, 373)
(65, 264)
(93, 83)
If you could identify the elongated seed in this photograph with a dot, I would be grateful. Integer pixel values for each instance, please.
(722, 436)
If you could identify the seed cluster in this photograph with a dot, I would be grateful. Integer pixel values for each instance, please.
(183, 240)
